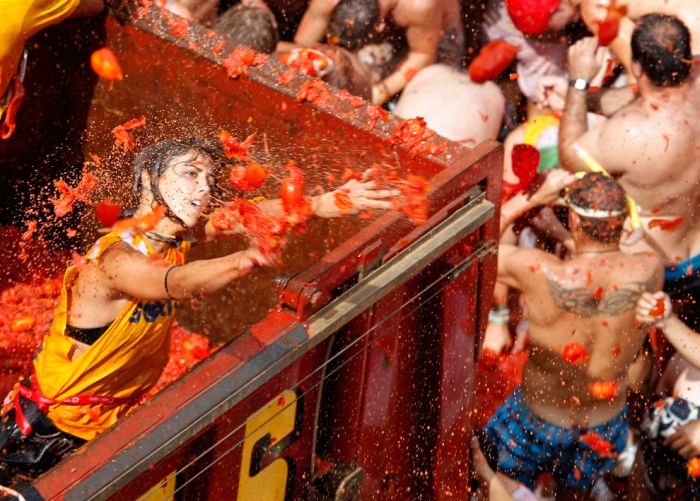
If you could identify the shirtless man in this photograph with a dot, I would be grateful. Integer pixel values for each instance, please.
(452, 105)
(430, 26)
(594, 11)
(650, 144)
(583, 339)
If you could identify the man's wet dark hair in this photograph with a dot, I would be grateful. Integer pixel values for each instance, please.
(154, 159)
(661, 45)
(250, 27)
(597, 191)
(353, 23)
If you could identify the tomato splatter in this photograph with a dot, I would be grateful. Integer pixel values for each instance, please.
(603, 390)
(598, 293)
(694, 468)
(492, 60)
(666, 224)
(342, 201)
(248, 177)
(106, 65)
(659, 309)
(107, 213)
(355, 101)
(413, 134)
(122, 134)
(68, 196)
(143, 223)
(575, 353)
(294, 203)
(240, 59)
(409, 74)
(31, 228)
(598, 445)
(234, 149)
(313, 91)
(616, 351)
(413, 201)
(374, 113)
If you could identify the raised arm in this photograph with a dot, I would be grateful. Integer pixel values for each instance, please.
(423, 30)
(313, 25)
(656, 309)
(129, 272)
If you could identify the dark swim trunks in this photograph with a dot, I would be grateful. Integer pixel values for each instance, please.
(684, 277)
(666, 470)
(521, 445)
(682, 284)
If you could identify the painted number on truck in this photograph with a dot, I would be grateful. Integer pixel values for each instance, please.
(268, 432)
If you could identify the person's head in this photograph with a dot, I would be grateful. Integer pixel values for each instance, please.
(353, 23)
(597, 208)
(661, 50)
(250, 27)
(181, 175)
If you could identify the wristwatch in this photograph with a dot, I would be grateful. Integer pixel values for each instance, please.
(579, 84)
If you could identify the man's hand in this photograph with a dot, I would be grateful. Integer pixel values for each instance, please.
(585, 59)
(686, 440)
(654, 309)
(360, 194)
(497, 338)
(551, 92)
(550, 191)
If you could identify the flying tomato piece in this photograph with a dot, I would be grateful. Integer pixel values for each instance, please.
(107, 213)
(143, 223)
(492, 60)
(122, 134)
(249, 177)
(234, 149)
(106, 65)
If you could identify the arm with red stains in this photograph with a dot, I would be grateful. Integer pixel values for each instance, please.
(312, 28)
(423, 30)
(128, 272)
(656, 309)
(585, 60)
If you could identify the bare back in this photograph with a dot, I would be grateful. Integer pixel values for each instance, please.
(588, 300)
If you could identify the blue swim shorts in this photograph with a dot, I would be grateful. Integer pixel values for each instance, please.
(521, 445)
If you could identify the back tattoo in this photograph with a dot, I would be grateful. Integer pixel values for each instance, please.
(583, 302)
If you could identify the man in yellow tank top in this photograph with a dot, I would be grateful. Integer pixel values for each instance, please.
(110, 336)
(19, 21)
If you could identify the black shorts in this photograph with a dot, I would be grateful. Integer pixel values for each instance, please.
(27, 457)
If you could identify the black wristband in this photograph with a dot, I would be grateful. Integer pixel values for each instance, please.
(165, 280)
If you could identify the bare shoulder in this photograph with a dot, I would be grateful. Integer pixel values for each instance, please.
(409, 12)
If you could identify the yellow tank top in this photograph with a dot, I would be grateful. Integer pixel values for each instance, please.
(125, 361)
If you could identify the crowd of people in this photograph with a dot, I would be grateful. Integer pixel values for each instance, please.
(599, 258)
